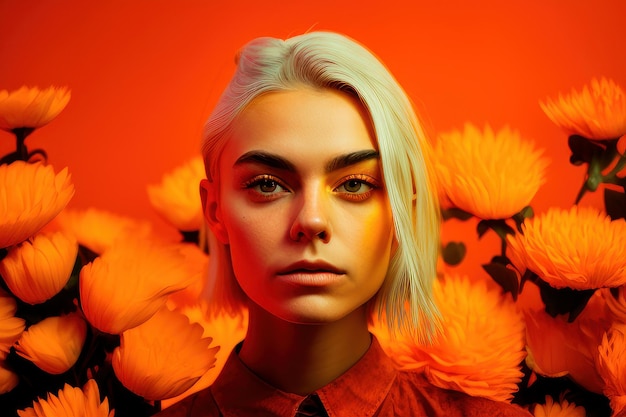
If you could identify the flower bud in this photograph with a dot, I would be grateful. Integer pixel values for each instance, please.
(163, 357)
(31, 107)
(31, 195)
(37, 269)
(54, 343)
(131, 281)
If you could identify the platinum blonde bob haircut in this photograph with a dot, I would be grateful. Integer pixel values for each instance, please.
(326, 60)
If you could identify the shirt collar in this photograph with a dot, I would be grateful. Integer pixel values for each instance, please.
(238, 391)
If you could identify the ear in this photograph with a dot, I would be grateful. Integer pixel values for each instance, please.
(210, 207)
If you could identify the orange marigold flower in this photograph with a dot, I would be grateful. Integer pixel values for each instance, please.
(98, 230)
(563, 408)
(580, 248)
(557, 348)
(71, 402)
(38, 268)
(596, 112)
(127, 284)
(8, 378)
(31, 107)
(30, 196)
(54, 343)
(11, 327)
(492, 175)
(611, 365)
(163, 357)
(177, 199)
(480, 348)
(226, 332)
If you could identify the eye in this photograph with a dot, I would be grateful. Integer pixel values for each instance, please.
(354, 186)
(265, 186)
(357, 187)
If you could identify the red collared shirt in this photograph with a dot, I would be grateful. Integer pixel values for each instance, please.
(372, 387)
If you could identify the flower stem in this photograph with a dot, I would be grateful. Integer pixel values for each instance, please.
(21, 133)
(581, 193)
(611, 177)
(595, 177)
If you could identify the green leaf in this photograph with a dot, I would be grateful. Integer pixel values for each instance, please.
(502, 260)
(525, 213)
(498, 225)
(455, 213)
(583, 149)
(563, 300)
(454, 252)
(505, 277)
(482, 227)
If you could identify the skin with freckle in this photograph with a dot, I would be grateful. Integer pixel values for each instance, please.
(277, 205)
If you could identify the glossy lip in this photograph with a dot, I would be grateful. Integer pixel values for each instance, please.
(311, 273)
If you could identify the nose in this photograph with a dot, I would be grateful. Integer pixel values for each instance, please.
(311, 219)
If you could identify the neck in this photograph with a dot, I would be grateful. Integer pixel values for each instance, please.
(300, 358)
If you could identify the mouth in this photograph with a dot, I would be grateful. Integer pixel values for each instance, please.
(311, 273)
(311, 267)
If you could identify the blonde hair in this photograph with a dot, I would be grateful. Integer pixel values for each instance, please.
(329, 60)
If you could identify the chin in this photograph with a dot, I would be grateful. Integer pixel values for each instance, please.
(316, 313)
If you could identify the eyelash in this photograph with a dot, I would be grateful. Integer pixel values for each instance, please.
(361, 179)
(258, 181)
(351, 196)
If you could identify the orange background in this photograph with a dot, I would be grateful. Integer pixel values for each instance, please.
(144, 74)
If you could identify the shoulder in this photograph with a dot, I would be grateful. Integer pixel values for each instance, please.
(412, 389)
(199, 404)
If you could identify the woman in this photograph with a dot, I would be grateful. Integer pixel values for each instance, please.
(323, 214)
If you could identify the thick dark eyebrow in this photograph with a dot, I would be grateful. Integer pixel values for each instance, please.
(352, 158)
(276, 161)
(265, 158)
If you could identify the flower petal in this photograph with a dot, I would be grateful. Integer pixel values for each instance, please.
(31, 195)
(8, 379)
(492, 175)
(176, 198)
(54, 343)
(163, 357)
(611, 364)
(71, 401)
(31, 107)
(11, 327)
(480, 348)
(580, 248)
(98, 230)
(129, 282)
(563, 408)
(598, 111)
(37, 269)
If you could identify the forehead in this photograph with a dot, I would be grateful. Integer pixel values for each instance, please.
(306, 120)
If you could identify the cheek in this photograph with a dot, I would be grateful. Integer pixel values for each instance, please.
(378, 229)
(252, 236)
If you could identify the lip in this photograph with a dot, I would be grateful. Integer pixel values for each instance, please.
(311, 273)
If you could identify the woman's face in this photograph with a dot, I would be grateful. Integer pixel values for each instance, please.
(302, 205)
